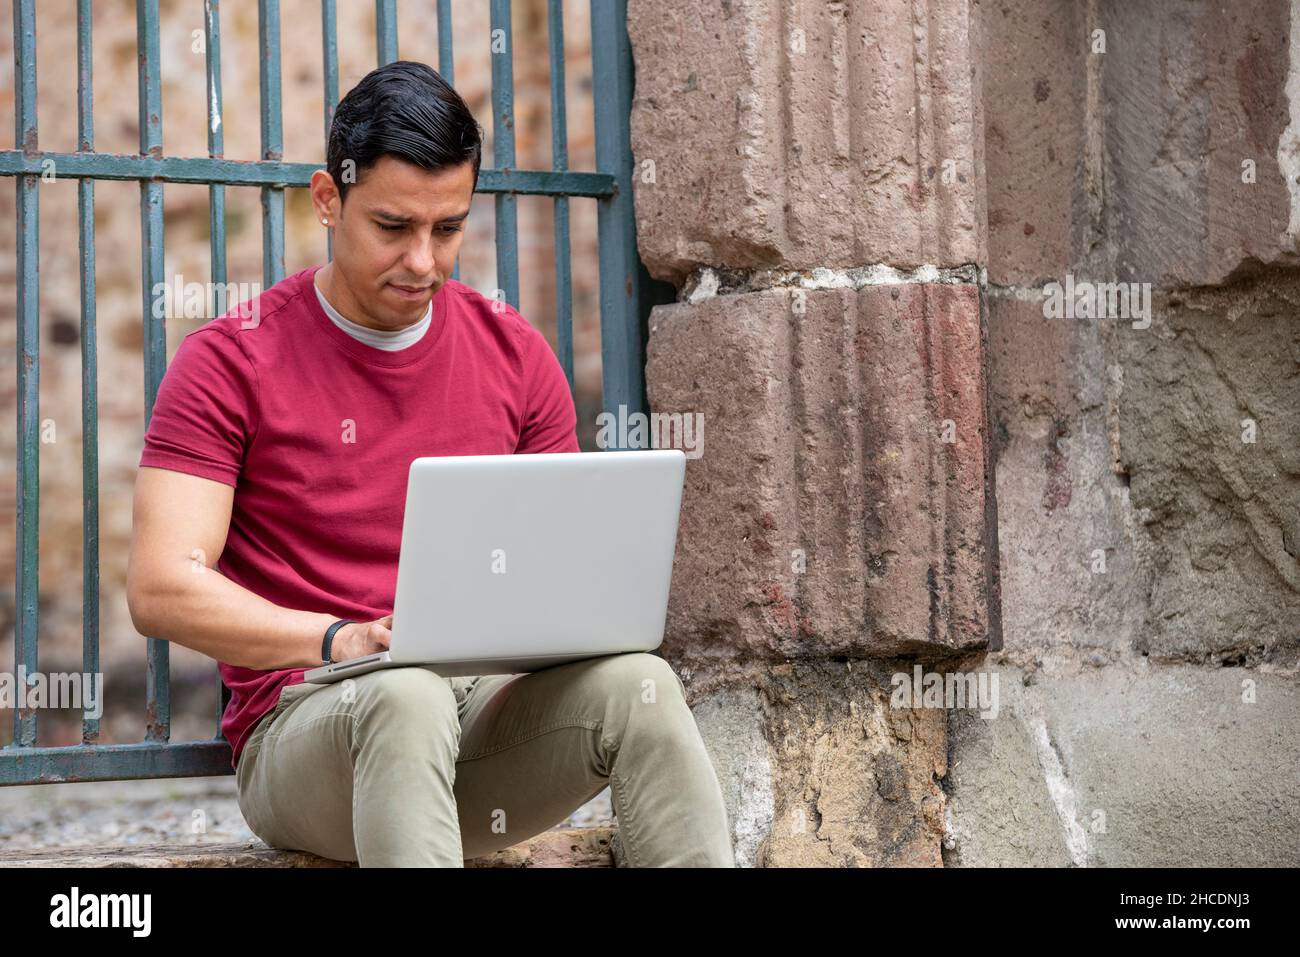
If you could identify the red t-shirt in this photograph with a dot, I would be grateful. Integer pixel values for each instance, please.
(316, 432)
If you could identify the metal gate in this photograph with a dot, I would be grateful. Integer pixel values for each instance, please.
(626, 290)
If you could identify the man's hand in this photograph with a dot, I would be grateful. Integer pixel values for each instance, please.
(362, 638)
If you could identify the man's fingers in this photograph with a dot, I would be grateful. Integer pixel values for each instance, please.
(380, 633)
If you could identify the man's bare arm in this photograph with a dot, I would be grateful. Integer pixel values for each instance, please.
(174, 591)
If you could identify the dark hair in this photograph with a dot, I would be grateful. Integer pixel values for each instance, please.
(406, 109)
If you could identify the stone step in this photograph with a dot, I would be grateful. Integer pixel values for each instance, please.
(572, 847)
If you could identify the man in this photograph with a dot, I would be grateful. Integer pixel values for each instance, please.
(269, 506)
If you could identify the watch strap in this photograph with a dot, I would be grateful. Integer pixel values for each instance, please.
(327, 644)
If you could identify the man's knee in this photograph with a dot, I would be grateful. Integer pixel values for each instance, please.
(646, 677)
(644, 697)
(401, 697)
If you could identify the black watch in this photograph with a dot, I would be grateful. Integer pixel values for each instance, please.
(329, 640)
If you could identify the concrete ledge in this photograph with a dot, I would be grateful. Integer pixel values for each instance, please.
(575, 847)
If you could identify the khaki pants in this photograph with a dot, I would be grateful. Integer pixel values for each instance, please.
(403, 767)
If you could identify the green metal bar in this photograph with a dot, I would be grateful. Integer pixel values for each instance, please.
(216, 148)
(268, 39)
(503, 148)
(386, 30)
(216, 215)
(622, 342)
(89, 371)
(446, 54)
(158, 689)
(113, 762)
(27, 587)
(560, 161)
(204, 171)
(447, 70)
(330, 57)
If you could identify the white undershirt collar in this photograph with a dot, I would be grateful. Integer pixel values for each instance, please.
(390, 341)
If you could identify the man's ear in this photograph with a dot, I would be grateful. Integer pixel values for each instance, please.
(325, 195)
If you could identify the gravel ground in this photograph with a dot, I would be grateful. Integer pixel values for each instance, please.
(166, 810)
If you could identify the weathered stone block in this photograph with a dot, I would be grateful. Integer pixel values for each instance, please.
(841, 505)
(802, 134)
(1209, 413)
(1073, 560)
(1139, 766)
(1042, 146)
(1004, 805)
(818, 770)
(1193, 91)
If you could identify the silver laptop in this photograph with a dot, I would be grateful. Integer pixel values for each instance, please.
(513, 563)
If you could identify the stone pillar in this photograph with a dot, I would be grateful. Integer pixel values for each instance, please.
(810, 176)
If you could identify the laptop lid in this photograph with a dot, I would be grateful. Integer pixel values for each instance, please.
(551, 553)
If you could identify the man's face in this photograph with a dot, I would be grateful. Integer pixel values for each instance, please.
(396, 238)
